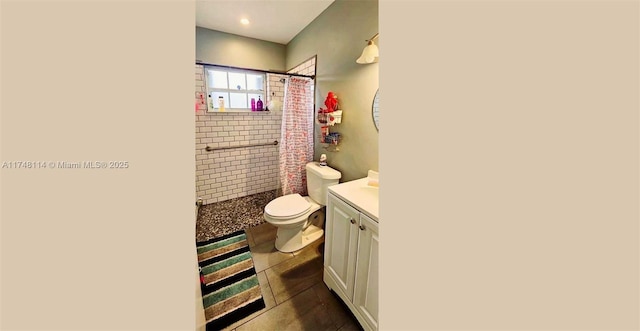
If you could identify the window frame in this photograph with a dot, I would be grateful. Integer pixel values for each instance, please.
(210, 90)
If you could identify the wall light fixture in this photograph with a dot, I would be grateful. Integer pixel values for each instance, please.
(370, 52)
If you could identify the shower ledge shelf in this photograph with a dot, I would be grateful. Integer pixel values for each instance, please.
(240, 112)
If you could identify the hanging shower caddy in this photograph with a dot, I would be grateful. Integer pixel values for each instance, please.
(328, 117)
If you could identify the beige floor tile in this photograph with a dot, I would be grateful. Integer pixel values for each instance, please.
(250, 238)
(263, 233)
(266, 255)
(338, 311)
(350, 326)
(291, 285)
(295, 275)
(302, 312)
(267, 294)
(315, 248)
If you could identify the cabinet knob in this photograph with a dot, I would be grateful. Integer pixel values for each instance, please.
(352, 221)
(361, 227)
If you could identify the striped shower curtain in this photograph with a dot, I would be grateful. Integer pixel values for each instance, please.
(296, 148)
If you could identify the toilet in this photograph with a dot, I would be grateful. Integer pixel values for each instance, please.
(299, 219)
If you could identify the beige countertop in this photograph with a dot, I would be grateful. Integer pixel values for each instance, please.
(360, 195)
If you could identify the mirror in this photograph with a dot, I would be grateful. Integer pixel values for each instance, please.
(375, 111)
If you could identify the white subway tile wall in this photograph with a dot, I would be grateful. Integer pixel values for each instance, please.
(232, 173)
(275, 89)
(305, 68)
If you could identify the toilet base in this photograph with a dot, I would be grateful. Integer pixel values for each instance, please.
(291, 240)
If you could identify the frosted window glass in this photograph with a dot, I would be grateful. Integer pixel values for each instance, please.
(217, 79)
(238, 100)
(236, 87)
(254, 82)
(237, 81)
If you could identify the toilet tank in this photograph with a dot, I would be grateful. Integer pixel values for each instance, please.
(318, 179)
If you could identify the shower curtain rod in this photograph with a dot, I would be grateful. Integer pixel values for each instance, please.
(259, 70)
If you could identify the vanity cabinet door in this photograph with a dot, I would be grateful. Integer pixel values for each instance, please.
(366, 283)
(341, 241)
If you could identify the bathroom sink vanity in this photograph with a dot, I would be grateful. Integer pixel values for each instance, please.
(351, 248)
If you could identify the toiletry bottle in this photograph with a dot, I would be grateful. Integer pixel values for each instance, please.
(221, 103)
(253, 104)
(259, 104)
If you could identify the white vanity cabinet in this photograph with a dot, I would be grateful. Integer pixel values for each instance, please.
(351, 252)
(365, 296)
(341, 245)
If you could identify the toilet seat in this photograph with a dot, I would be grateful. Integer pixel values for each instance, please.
(287, 207)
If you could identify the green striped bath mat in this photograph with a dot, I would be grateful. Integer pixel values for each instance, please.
(230, 288)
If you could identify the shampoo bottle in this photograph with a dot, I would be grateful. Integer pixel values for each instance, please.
(220, 104)
(259, 104)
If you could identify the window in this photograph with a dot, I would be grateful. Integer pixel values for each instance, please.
(236, 87)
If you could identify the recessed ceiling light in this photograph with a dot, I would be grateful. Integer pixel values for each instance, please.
(244, 21)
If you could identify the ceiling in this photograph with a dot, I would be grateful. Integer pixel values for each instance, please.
(271, 20)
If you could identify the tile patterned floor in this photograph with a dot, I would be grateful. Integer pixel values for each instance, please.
(296, 298)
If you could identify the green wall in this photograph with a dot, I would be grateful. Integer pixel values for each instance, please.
(222, 48)
(337, 37)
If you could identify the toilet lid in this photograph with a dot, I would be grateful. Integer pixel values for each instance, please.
(289, 205)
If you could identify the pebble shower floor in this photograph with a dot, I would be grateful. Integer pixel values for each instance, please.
(225, 217)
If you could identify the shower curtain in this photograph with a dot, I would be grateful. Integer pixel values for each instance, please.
(296, 147)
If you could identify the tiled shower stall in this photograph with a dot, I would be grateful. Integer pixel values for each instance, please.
(232, 173)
